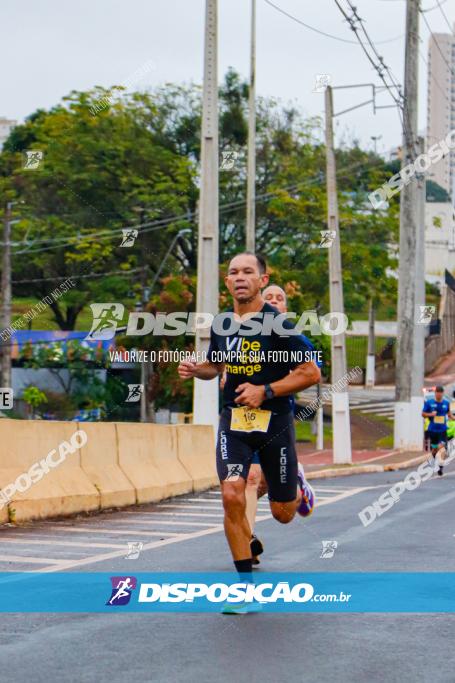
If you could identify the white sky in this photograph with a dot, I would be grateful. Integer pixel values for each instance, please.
(49, 47)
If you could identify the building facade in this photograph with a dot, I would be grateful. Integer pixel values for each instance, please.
(439, 241)
(441, 106)
(6, 126)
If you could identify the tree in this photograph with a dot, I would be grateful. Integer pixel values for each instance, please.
(99, 174)
(136, 163)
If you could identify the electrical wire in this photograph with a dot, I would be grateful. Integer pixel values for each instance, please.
(323, 33)
(449, 66)
(445, 16)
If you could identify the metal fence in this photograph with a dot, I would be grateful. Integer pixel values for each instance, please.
(436, 345)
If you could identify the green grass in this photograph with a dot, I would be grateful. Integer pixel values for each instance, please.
(45, 320)
(357, 347)
(303, 432)
(385, 442)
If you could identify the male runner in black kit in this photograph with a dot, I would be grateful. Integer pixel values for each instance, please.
(256, 413)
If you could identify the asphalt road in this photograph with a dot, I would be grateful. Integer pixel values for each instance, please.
(417, 534)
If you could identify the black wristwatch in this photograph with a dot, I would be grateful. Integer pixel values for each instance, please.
(269, 393)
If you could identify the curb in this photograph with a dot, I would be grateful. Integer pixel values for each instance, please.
(365, 469)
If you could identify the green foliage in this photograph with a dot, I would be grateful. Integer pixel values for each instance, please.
(34, 397)
(436, 193)
(137, 163)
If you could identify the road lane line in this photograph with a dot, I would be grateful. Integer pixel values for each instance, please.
(218, 506)
(188, 514)
(103, 530)
(341, 496)
(162, 521)
(24, 559)
(109, 556)
(51, 541)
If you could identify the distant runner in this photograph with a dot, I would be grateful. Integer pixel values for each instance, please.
(256, 413)
(437, 409)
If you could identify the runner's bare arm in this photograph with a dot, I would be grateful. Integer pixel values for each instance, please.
(205, 370)
(303, 376)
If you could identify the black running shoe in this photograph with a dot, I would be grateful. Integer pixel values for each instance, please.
(440, 471)
(256, 548)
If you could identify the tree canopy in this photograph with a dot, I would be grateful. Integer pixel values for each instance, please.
(135, 164)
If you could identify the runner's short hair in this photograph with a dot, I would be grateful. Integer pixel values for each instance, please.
(262, 263)
(439, 388)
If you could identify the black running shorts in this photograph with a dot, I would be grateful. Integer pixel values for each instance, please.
(275, 448)
(436, 438)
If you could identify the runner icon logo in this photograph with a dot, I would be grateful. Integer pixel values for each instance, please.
(134, 393)
(426, 314)
(122, 587)
(328, 549)
(32, 159)
(134, 550)
(228, 160)
(105, 320)
(327, 237)
(128, 237)
(234, 472)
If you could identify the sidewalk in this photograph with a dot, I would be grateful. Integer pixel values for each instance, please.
(319, 464)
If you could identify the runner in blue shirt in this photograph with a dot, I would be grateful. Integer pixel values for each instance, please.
(437, 409)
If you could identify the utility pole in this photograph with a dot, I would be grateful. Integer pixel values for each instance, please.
(418, 360)
(340, 399)
(407, 412)
(205, 396)
(319, 420)
(251, 179)
(145, 374)
(6, 296)
(371, 356)
(375, 139)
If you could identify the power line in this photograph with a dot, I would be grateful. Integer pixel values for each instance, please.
(437, 44)
(323, 33)
(381, 68)
(78, 277)
(445, 16)
(433, 77)
(163, 223)
(430, 9)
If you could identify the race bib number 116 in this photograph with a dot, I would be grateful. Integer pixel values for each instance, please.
(246, 419)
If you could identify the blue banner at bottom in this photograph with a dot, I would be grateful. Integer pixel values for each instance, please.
(330, 592)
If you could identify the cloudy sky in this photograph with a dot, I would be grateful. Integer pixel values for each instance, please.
(50, 47)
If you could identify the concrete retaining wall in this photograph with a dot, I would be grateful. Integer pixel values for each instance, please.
(120, 464)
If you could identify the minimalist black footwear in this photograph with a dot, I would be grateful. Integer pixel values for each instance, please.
(256, 548)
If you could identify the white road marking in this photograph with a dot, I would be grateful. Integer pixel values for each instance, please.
(158, 520)
(197, 500)
(52, 541)
(379, 411)
(64, 565)
(384, 404)
(145, 519)
(341, 496)
(25, 559)
(104, 530)
(330, 490)
(217, 506)
(188, 514)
